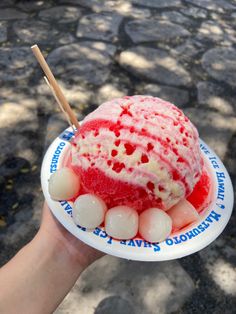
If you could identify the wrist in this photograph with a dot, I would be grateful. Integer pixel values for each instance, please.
(55, 249)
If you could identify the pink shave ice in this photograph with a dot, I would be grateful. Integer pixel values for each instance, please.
(138, 151)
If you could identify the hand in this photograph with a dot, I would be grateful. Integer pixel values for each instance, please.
(64, 241)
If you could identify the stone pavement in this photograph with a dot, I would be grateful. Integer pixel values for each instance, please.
(181, 50)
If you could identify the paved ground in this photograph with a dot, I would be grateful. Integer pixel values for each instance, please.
(181, 50)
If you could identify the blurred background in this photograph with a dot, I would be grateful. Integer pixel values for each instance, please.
(181, 50)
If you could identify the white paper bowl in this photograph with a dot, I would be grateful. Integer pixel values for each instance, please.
(186, 242)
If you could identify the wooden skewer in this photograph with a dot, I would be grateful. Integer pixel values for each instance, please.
(60, 105)
(59, 96)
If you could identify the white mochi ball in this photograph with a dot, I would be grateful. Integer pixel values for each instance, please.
(182, 214)
(121, 222)
(64, 184)
(154, 225)
(89, 211)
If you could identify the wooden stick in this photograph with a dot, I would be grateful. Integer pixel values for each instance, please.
(53, 83)
(60, 105)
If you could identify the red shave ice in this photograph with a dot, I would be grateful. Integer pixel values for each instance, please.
(138, 151)
(199, 198)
